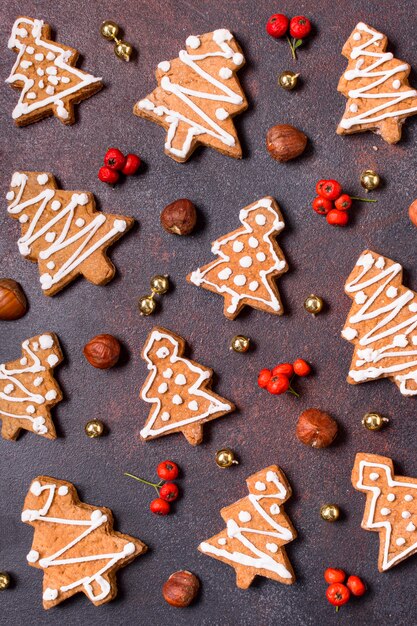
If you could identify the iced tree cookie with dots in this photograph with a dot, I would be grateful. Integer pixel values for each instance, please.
(257, 529)
(62, 231)
(249, 261)
(45, 75)
(197, 96)
(382, 323)
(74, 543)
(390, 509)
(28, 390)
(178, 390)
(376, 86)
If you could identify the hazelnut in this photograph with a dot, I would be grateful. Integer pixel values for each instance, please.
(181, 588)
(102, 351)
(179, 217)
(316, 428)
(13, 304)
(412, 212)
(284, 142)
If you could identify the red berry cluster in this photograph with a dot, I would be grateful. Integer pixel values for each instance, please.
(167, 491)
(337, 592)
(116, 163)
(299, 27)
(332, 203)
(278, 380)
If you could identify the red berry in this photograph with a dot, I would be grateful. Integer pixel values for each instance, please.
(337, 218)
(106, 175)
(300, 27)
(331, 189)
(356, 585)
(337, 594)
(264, 377)
(278, 384)
(159, 506)
(344, 202)
(167, 470)
(132, 164)
(169, 492)
(114, 159)
(321, 205)
(277, 25)
(319, 185)
(283, 368)
(332, 575)
(301, 367)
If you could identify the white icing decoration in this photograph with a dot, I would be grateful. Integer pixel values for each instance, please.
(221, 113)
(50, 395)
(62, 490)
(38, 381)
(222, 541)
(165, 416)
(237, 246)
(272, 547)
(357, 36)
(400, 541)
(32, 556)
(239, 280)
(164, 66)
(392, 292)
(50, 90)
(8, 388)
(52, 360)
(193, 42)
(39, 56)
(408, 498)
(167, 373)
(253, 242)
(374, 476)
(410, 527)
(10, 195)
(176, 399)
(261, 257)
(391, 497)
(238, 58)
(360, 297)
(162, 353)
(30, 409)
(50, 265)
(253, 285)
(406, 514)
(349, 333)
(50, 594)
(225, 73)
(245, 261)
(260, 219)
(244, 516)
(274, 509)
(225, 273)
(180, 379)
(23, 361)
(260, 486)
(163, 388)
(385, 511)
(193, 405)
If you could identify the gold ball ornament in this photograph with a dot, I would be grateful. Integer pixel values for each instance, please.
(160, 284)
(147, 305)
(5, 581)
(313, 304)
(288, 80)
(330, 512)
(109, 29)
(123, 50)
(370, 180)
(374, 421)
(240, 343)
(94, 429)
(226, 458)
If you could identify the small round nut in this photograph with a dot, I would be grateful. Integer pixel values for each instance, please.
(316, 428)
(285, 142)
(102, 351)
(179, 217)
(13, 303)
(181, 588)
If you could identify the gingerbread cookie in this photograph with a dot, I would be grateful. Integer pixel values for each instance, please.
(197, 96)
(62, 231)
(382, 323)
(28, 389)
(390, 507)
(257, 528)
(178, 389)
(249, 262)
(376, 85)
(74, 543)
(44, 72)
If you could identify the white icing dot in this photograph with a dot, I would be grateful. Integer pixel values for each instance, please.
(82, 199)
(30, 49)
(360, 297)
(221, 113)
(35, 346)
(274, 509)
(239, 280)
(225, 273)
(237, 246)
(52, 71)
(50, 90)
(26, 64)
(50, 265)
(408, 498)
(163, 388)
(62, 490)
(42, 179)
(193, 405)
(8, 388)
(225, 73)
(165, 416)
(23, 361)
(46, 342)
(373, 476)
(260, 220)
(385, 511)
(391, 497)
(53, 80)
(253, 285)
(413, 307)
(38, 381)
(221, 541)
(32, 556)
(180, 379)
(51, 395)
(396, 84)
(49, 237)
(36, 488)
(357, 36)
(193, 42)
(41, 84)
(165, 66)
(380, 263)
(260, 256)
(260, 486)
(353, 108)
(23, 218)
(30, 409)
(31, 95)
(50, 594)
(238, 58)
(410, 527)
(55, 205)
(95, 516)
(406, 514)
(10, 195)
(400, 541)
(129, 548)
(50, 56)
(244, 516)
(167, 373)
(272, 547)
(39, 56)
(253, 242)
(65, 79)
(162, 353)
(40, 71)
(245, 261)
(349, 333)
(176, 399)
(52, 360)
(391, 292)
(400, 341)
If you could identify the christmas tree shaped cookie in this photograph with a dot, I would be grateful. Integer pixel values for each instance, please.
(28, 389)
(74, 543)
(62, 231)
(197, 96)
(376, 86)
(256, 530)
(44, 72)
(249, 262)
(382, 323)
(390, 509)
(178, 389)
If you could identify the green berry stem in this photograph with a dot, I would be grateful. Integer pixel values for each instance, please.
(156, 486)
(362, 199)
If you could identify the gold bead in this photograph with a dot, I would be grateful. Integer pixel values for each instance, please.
(374, 421)
(147, 305)
(370, 180)
(4, 581)
(123, 50)
(240, 343)
(160, 284)
(226, 458)
(288, 80)
(94, 429)
(330, 512)
(109, 29)
(313, 304)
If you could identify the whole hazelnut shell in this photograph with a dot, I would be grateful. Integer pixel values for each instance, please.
(316, 428)
(412, 212)
(179, 217)
(13, 303)
(181, 588)
(285, 142)
(102, 351)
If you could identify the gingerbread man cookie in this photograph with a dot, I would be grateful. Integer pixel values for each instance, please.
(74, 543)
(63, 231)
(44, 72)
(178, 389)
(28, 389)
(197, 96)
(249, 262)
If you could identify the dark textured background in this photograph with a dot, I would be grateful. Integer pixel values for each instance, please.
(320, 259)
